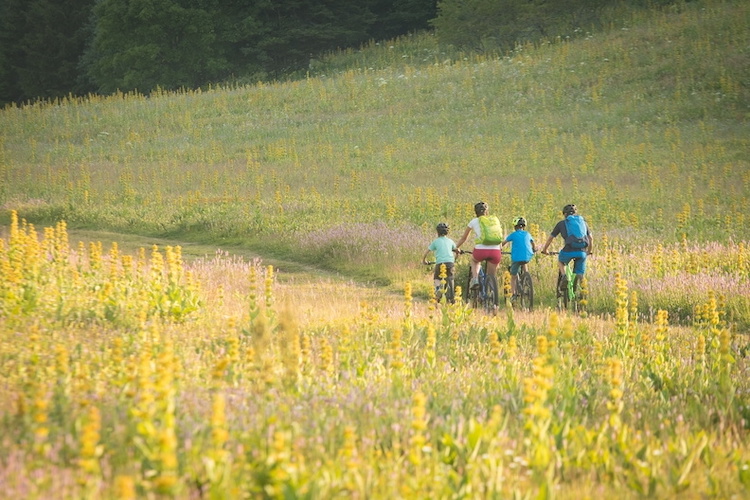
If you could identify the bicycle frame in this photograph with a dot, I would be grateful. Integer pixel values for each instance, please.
(570, 294)
(571, 281)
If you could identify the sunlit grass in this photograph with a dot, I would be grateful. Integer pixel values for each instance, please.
(274, 384)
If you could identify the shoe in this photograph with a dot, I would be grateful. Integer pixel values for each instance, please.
(474, 283)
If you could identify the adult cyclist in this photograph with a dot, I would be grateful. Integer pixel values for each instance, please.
(578, 242)
(485, 248)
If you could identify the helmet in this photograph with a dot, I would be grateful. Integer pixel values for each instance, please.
(569, 209)
(480, 208)
(519, 221)
(442, 228)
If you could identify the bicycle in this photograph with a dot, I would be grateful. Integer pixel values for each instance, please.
(484, 296)
(443, 289)
(524, 288)
(567, 290)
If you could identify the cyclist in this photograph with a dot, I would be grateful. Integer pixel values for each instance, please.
(487, 239)
(445, 251)
(578, 242)
(522, 249)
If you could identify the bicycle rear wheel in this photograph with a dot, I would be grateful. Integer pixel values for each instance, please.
(472, 294)
(574, 293)
(490, 294)
(525, 291)
(562, 292)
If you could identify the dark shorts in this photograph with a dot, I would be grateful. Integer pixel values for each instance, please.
(448, 269)
(516, 265)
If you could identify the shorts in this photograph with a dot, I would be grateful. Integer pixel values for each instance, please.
(516, 265)
(491, 254)
(448, 270)
(579, 266)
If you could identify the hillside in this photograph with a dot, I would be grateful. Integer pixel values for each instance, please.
(322, 170)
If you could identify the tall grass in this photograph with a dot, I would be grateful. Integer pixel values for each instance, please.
(253, 393)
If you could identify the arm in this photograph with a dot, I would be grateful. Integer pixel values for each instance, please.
(424, 257)
(547, 243)
(463, 238)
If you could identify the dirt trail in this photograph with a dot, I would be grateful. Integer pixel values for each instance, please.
(318, 295)
(131, 243)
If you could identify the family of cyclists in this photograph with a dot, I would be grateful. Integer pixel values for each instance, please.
(488, 241)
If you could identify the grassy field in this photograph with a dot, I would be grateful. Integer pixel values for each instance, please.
(246, 314)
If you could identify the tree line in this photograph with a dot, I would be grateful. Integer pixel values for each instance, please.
(51, 49)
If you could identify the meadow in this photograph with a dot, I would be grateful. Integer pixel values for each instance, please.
(303, 356)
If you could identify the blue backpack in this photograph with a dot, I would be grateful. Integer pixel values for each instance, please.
(577, 230)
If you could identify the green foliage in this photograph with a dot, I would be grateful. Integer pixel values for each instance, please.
(500, 26)
(143, 45)
(40, 45)
(49, 51)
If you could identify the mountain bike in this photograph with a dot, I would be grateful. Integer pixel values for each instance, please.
(567, 290)
(485, 296)
(524, 288)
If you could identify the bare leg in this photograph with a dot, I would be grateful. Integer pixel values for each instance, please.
(491, 268)
(474, 268)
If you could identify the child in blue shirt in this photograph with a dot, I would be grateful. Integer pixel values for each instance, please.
(445, 251)
(522, 250)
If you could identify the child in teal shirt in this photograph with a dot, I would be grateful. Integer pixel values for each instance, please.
(522, 250)
(445, 251)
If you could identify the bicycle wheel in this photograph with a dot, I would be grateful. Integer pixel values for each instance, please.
(450, 290)
(490, 294)
(562, 292)
(525, 290)
(574, 292)
(472, 294)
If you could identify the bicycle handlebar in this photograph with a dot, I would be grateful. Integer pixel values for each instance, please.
(558, 253)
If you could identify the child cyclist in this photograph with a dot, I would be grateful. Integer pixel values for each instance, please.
(522, 250)
(445, 251)
(487, 239)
